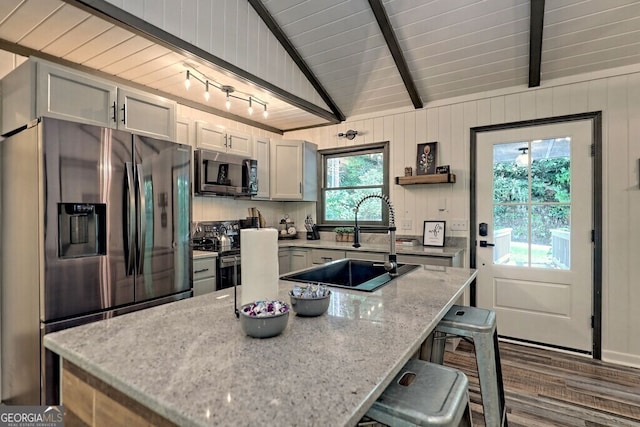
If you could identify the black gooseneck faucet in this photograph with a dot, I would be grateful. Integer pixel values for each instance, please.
(391, 265)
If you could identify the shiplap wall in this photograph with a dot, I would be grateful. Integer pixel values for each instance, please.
(230, 30)
(616, 93)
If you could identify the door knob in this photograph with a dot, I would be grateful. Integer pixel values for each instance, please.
(484, 244)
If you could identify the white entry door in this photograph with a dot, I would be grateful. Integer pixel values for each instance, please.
(534, 193)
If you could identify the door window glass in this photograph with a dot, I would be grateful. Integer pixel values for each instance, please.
(532, 203)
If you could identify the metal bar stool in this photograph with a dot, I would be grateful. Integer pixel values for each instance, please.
(424, 394)
(480, 325)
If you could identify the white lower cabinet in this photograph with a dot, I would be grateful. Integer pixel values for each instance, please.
(299, 259)
(284, 261)
(204, 275)
(322, 256)
(292, 259)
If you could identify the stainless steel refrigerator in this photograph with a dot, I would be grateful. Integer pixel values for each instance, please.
(95, 223)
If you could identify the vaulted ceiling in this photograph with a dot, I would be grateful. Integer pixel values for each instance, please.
(361, 56)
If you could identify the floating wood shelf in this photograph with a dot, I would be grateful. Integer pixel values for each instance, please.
(443, 178)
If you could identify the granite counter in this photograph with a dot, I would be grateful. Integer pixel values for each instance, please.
(445, 252)
(189, 361)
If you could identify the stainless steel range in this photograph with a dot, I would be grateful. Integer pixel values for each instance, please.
(222, 237)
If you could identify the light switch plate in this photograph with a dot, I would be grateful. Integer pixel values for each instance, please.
(407, 224)
(459, 225)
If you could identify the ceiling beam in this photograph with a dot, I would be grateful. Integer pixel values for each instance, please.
(276, 30)
(536, 25)
(392, 42)
(117, 16)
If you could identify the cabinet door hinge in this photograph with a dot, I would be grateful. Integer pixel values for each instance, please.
(593, 322)
(593, 150)
(593, 236)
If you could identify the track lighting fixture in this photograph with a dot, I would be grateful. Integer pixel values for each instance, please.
(228, 91)
(187, 82)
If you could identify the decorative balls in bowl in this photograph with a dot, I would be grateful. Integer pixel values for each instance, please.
(264, 319)
(310, 300)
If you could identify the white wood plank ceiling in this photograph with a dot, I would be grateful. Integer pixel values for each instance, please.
(451, 47)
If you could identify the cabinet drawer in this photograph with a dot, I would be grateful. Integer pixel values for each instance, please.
(204, 286)
(321, 256)
(369, 256)
(204, 268)
(430, 260)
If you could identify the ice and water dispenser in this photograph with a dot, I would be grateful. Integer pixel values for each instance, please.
(81, 229)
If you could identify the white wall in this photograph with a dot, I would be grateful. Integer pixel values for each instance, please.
(616, 93)
(230, 30)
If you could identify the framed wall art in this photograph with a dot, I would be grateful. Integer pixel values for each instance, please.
(426, 158)
(433, 233)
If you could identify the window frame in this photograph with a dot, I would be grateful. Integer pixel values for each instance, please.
(324, 154)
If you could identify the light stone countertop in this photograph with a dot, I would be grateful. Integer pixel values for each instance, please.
(204, 254)
(190, 362)
(446, 252)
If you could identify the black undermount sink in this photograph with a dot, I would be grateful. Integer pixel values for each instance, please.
(349, 273)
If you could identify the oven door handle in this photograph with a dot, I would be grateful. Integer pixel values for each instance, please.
(229, 261)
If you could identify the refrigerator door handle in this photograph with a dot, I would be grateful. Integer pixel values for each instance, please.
(130, 219)
(142, 236)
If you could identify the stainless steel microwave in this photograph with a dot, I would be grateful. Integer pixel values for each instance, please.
(224, 174)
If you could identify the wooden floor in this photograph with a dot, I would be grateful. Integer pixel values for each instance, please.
(548, 388)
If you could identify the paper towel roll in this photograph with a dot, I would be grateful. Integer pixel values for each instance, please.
(259, 264)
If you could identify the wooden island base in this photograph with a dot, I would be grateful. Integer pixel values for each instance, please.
(89, 401)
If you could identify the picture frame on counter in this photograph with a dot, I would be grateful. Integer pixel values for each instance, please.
(433, 233)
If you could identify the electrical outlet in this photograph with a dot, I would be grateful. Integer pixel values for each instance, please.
(406, 224)
(459, 225)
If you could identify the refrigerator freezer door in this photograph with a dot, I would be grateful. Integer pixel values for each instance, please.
(84, 165)
(164, 201)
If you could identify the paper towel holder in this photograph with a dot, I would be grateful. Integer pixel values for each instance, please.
(235, 287)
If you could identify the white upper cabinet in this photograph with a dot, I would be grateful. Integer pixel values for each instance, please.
(69, 95)
(145, 114)
(239, 143)
(261, 154)
(39, 88)
(293, 170)
(217, 138)
(210, 137)
(185, 131)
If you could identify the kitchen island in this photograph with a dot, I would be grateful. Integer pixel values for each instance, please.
(189, 363)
